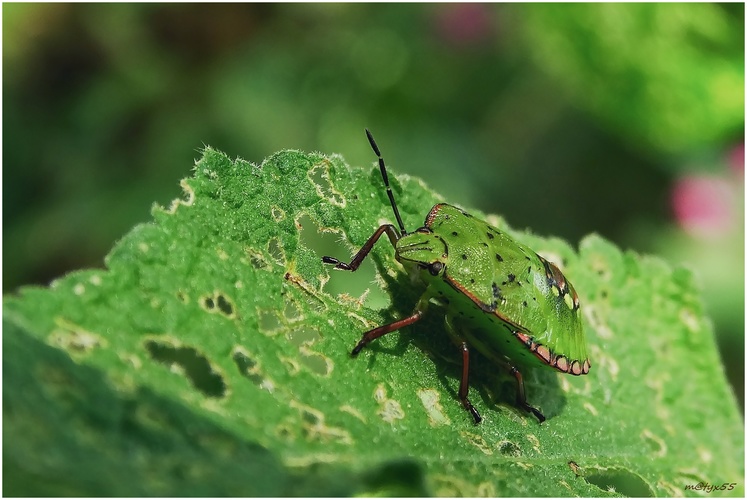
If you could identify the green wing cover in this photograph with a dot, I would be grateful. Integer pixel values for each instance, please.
(509, 280)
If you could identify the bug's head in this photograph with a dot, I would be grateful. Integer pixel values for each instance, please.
(424, 250)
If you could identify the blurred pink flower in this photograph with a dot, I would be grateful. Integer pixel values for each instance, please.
(736, 159)
(464, 23)
(704, 206)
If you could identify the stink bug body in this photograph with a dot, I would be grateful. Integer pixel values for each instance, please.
(499, 296)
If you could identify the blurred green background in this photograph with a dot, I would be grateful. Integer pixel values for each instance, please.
(622, 119)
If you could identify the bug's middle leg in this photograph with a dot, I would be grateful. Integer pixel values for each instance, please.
(382, 330)
(464, 382)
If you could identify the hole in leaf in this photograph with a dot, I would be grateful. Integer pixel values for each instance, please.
(277, 213)
(247, 367)
(218, 303)
(320, 179)
(303, 335)
(194, 365)
(269, 323)
(310, 418)
(276, 251)
(257, 259)
(621, 481)
(328, 243)
(315, 362)
(292, 312)
(224, 305)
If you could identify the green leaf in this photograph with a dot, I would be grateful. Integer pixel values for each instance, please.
(211, 357)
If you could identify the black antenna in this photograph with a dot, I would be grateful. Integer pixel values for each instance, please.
(389, 193)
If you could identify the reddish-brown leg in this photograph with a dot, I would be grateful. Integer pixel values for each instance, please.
(521, 398)
(384, 329)
(363, 252)
(464, 384)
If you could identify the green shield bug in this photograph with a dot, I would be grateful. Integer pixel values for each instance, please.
(499, 296)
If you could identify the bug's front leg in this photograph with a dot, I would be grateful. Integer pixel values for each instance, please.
(390, 231)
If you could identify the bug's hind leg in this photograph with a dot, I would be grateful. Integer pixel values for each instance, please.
(464, 383)
(521, 398)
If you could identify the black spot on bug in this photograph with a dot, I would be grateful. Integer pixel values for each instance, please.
(464, 256)
(454, 233)
(472, 280)
(440, 292)
(525, 303)
(504, 283)
(511, 277)
(484, 244)
(527, 257)
(490, 235)
(497, 292)
(498, 256)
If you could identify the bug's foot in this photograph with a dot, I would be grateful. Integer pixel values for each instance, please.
(358, 348)
(471, 409)
(534, 411)
(337, 263)
(475, 415)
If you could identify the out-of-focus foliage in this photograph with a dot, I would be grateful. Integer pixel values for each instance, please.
(567, 119)
(668, 77)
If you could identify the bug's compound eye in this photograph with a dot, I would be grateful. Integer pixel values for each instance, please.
(435, 268)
